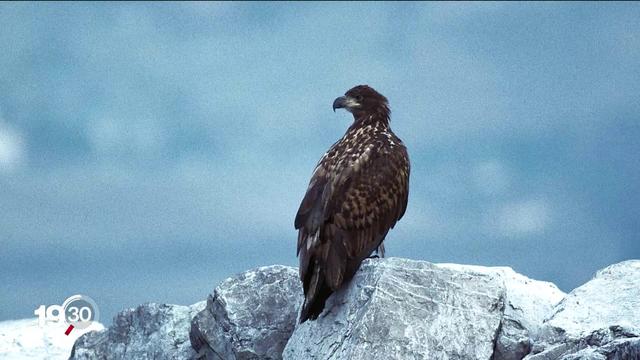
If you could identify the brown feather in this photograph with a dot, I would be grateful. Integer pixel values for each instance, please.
(358, 191)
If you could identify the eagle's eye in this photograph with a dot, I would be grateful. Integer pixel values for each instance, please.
(359, 98)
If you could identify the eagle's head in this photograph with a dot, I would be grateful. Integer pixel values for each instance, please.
(362, 100)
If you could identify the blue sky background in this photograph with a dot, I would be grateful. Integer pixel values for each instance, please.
(149, 150)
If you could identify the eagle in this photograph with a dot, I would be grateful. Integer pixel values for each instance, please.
(358, 191)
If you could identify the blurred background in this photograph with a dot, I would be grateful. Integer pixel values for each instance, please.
(150, 150)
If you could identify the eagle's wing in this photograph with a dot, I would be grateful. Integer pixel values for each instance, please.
(310, 213)
(372, 200)
(346, 213)
(364, 208)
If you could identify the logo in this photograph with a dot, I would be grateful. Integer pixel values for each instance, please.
(78, 311)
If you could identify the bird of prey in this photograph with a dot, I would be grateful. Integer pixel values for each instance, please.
(358, 191)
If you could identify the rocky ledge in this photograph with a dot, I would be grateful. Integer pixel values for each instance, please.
(393, 308)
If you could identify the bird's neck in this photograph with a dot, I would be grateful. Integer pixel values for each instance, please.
(377, 119)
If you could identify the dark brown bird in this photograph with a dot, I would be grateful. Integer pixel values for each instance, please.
(358, 191)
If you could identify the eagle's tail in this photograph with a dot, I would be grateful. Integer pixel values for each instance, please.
(316, 295)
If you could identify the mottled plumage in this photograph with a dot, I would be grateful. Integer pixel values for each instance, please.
(358, 192)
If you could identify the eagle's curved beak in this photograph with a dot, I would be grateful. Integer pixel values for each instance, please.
(346, 102)
(339, 103)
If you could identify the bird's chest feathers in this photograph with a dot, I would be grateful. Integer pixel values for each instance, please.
(355, 149)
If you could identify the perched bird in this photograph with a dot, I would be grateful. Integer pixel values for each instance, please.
(358, 191)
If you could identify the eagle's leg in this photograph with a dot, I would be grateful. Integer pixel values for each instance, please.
(379, 252)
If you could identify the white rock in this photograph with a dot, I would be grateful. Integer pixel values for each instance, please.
(150, 331)
(25, 339)
(599, 318)
(405, 309)
(528, 303)
(393, 308)
(612, 297)
(249, 316)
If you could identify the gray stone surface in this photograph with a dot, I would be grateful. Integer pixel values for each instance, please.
(598, 320)
(612, 343)
(615, 342)
(392, 309)
(150, 331)
(249, 316)
(528, 303)
(405, 309)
